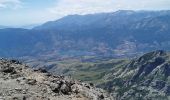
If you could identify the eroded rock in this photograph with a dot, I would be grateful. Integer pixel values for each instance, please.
(18, 82)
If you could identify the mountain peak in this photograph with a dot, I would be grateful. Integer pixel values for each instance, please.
(153, 54)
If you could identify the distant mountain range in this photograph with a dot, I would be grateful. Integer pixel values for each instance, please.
(30, 26)
(1, 27)
(118, 34)
(24, 26)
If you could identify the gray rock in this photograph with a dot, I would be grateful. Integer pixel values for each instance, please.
(65, 89)
(26, 84)
(55, 87)
(31, 81)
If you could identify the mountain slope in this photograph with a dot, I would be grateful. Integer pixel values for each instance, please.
(17, 81)
(141, 78)
(146, 77)
(92, 69)
(117, 34)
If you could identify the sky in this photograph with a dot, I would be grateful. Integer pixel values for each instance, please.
(30, 12)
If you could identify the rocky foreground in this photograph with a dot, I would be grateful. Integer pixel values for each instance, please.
(19, 82)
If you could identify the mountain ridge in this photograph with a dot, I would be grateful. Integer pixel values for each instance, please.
(20, 82)
(140, 78)
(145, 77)
(2, 27)
(118, 34)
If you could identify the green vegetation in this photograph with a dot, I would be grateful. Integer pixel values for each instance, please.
(93, 72)
(143, 78)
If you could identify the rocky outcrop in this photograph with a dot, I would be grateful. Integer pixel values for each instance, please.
(144, 78)
(19, 82)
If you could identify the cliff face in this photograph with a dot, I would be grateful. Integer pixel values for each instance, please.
(144, 78)
(19, 82)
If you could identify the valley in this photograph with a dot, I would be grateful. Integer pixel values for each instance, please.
(121, 55)
(140, 78)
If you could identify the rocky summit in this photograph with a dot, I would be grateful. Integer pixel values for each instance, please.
(19, 82)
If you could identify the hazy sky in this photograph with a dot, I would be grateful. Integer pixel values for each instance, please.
(24, 12)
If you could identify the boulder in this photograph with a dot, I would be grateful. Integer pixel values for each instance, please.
(31, 81)
(65, 89)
